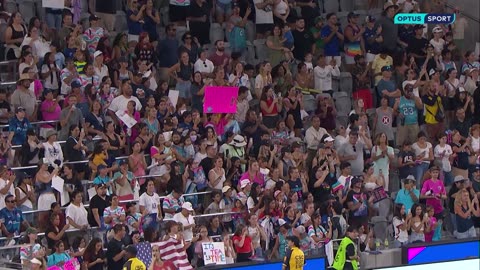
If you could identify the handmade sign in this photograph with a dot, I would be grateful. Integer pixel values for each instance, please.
(173, 96)
(219, 99)
(379, 194)
(214, 253)
(126, 119)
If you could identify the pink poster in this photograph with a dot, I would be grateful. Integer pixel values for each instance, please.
(220, 99)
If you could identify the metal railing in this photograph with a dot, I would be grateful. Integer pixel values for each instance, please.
(123, 201)
(79, 162)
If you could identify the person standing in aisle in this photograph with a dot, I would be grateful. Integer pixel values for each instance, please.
(347, 257)
(295, 258)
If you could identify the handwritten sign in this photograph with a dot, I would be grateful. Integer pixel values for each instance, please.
(220, 99)
(53, 3)
(214, 253)
(126, 119)
(379, 194)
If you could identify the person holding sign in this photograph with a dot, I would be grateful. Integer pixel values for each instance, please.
(294, 259)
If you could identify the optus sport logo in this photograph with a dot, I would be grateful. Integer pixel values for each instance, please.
(424, 18)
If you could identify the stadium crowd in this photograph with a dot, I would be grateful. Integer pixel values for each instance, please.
(306, 154)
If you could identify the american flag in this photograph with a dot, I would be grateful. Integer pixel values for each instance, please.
(144, 253)
(172, 250)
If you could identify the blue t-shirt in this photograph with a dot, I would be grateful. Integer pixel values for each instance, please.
(374, 47)
(12, 219)
(101, 180)
(55, 258)
(390, 87)
(289, 39)
(331, 48)
(403, 197)
(20, 130)
(134, 28)
(409, 110)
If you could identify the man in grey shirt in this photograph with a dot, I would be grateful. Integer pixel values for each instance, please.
(352, 152)
(389, 29)
(69, 116)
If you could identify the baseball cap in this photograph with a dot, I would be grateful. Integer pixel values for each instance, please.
(96, 54)
(432, 71)
(93, 17)
(36, 261)
(459, 178)
(461, 89)
(434, 168)
(188, 206)
(477, 168)
(329, 139)
(319, 19)
(386, 68)
(437, 29)
(410, 178)
(19, 109)
(355, 180)
(370, 18)
(225, 189)
(75, 84)
(352, 14)
(244, 183)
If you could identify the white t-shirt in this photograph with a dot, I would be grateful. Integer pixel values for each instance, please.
(101, 72)
(263, 16)
(203, 66)
(438, 152)
(323, 77)
(150, 203)
(475, 144)
(11, 191)
(186, 221)
(425, 151)
(401, 236)
(26, 203)
(77, 213)
(51, 82)
(438, 45)
(120, 103)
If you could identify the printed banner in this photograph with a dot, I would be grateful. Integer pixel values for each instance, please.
(220, 99)
(214, 253)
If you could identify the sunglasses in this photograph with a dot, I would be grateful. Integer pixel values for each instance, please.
(188, 37)
(354, 148)
(11, 201)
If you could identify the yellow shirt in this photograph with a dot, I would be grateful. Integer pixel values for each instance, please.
(294, 260)
(378, 63)
(134, 264)
(99, 159)
(431, 111)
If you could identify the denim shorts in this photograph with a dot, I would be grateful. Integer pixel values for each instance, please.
(223, 8)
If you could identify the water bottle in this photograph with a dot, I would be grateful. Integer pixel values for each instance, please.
(386, 243)
(377, 244)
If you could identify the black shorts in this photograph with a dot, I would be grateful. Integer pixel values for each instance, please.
(264, 28)
(177, 13)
